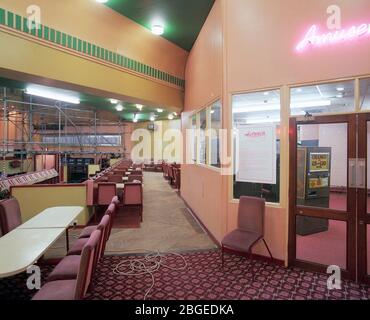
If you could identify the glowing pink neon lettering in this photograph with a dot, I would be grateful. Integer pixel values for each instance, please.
(313, 38)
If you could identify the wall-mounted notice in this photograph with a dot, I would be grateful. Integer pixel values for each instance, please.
(256, 153)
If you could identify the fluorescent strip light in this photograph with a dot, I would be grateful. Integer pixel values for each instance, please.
(52, 95)
(276, 107)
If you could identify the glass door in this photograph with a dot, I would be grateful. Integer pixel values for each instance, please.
(322, 227)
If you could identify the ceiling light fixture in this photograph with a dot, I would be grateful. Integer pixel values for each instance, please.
(52, 95)
(136, 118)
(119, 107)
(102, 1)
(159, 110)
(340, 89)
(170, 116)
(152, 118)
(113, 101)
(157, 29)
(139, 107)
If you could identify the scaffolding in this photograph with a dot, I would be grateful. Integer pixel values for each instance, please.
(75, 131)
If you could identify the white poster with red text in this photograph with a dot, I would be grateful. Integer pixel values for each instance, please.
(256, 153)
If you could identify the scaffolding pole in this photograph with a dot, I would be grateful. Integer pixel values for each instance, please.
(5, 130)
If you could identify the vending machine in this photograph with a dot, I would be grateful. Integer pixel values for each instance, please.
(313, 186)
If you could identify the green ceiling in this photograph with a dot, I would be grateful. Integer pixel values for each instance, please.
(98, 103)
(183, 18)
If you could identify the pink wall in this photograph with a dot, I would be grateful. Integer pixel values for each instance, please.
(248, 45)
(203, 86)
(262, 36)
(203, 71)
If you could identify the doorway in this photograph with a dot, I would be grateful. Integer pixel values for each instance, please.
(329, 212)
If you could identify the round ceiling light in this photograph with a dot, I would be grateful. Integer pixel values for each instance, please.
(119, 107)
(170, 117)
(157, 29)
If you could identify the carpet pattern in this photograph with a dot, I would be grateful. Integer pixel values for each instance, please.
(204, 279)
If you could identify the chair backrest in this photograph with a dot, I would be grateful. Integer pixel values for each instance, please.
(133, 194)
(115, 178)
(87, 266)
(106, 192)
(170, 172)
(133, 177)
(111, 211)
(104, 228)
(116, 201)
(251, 214)
(10, 215)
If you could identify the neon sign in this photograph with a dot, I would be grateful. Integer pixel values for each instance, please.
(314, 39)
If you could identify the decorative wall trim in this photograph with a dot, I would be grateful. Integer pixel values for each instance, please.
(84, 48)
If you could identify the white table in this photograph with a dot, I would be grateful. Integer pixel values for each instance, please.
(21, 248)
(56, 217)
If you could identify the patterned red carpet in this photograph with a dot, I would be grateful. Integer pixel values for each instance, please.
(204, 279)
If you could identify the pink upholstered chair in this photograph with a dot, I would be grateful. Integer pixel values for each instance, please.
(250, 228)
(115, 178)
(10, 215)
(134, 177)
(111, 211)
(74, 289)
(133, 196)
(104, 227)
(106, 192)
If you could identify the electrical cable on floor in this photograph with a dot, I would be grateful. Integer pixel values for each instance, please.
(147, 265)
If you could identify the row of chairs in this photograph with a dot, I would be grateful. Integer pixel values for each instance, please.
(71, 278)
(172, 173)
(132, 195)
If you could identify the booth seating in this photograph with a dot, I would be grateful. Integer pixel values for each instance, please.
(133, 197)
(106, 191)
(74, 289)
(10, 216)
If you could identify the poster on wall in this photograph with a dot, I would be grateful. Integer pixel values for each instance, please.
(256, 153)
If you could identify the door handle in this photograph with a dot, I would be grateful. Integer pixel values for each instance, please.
(360, 174)
(352, 172)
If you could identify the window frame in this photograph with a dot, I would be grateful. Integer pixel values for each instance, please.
(283, 143)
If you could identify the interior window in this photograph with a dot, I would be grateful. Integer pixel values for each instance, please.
(256, 124)
(323, 98)
(215, 110)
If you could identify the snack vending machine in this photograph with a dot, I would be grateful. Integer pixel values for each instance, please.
(313, 186)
